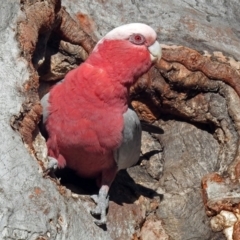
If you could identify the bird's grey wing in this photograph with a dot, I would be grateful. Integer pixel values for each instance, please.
(45, 104)
(128, 153)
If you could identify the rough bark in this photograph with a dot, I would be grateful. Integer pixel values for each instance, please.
(186, 182)
(32, 207)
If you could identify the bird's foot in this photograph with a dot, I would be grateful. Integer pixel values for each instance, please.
(102, 201)
(52, 166)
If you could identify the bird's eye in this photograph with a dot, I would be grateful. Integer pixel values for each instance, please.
(137, 39)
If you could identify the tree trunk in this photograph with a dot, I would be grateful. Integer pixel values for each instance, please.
(186, 178)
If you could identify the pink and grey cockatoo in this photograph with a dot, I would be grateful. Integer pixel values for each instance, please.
(90, 127)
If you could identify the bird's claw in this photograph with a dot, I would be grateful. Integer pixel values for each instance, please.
(94, 198)
(101, 208)
(96, 211)
(52, 166)
(101, 222)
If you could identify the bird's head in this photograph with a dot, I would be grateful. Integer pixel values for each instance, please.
(127, 52)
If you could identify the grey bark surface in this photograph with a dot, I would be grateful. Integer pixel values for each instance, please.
(203, 25)
(190, 153)
(34, 207)
(31, 206)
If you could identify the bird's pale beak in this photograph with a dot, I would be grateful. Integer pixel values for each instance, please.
(155, 51)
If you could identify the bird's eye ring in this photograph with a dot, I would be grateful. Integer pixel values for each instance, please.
(137, 39)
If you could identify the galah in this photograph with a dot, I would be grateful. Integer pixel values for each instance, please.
(90, 127)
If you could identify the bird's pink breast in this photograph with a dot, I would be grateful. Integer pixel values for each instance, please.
(84, 127)
(85, 123)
